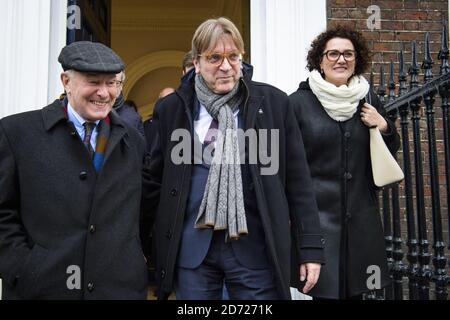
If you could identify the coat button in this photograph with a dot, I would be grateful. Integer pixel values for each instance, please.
(163, 274)
(348, 175)
(83, 175)
(347, 134)
(168, 234)
(322, 241)
(173, 192)
(90, 287)
(73, 133)
(348, 215)
(92, 228)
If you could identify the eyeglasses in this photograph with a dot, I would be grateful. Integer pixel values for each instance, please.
(216, 58)
(334, 55)
(109, 83)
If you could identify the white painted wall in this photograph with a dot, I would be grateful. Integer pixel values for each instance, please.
(58, 34)
(32, 34)
(281, 33)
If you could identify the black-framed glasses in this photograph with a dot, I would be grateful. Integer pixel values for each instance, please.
(216, 58)
(334, 55)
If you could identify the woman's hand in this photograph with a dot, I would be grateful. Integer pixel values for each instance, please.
(371, 118)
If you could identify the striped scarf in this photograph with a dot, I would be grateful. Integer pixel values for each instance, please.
(104, 129)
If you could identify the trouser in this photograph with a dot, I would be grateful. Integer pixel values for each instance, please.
(220, 267)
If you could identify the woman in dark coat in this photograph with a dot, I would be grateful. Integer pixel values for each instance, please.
(334, 120)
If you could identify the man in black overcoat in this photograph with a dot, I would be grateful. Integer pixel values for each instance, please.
(229, 222)
(70, 188)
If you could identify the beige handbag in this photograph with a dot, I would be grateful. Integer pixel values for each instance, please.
(385, 168)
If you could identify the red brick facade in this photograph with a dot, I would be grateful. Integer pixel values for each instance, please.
(401, 22)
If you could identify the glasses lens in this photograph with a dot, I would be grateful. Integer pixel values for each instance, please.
(215, 58)
(111, 83)
(234, 57)
(333, 55)
(349, 55)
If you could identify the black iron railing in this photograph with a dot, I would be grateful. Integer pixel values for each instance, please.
(427, 275)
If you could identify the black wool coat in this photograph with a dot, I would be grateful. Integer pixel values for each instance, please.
(284, 199)
(60, 220)
(339, 159)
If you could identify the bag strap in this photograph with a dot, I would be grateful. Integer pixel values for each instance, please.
(369, 97)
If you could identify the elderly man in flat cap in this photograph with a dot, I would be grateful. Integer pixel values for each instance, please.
(70, 190)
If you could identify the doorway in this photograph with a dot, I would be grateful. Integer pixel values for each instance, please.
(153, 36)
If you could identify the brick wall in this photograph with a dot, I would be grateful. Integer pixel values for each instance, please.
(401, 22)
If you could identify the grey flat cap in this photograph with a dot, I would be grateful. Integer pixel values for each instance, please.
(86, 56)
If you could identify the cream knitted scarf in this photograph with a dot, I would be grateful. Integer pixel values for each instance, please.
(339, 102)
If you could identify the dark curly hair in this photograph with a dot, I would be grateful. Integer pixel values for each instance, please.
(318, 46)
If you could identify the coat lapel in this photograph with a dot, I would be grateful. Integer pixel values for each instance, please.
(118, 132)
(52, 114)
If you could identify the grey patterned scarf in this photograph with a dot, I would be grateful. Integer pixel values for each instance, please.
(222, 206)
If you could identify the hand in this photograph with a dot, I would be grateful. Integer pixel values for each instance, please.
(310, 272)
(371, 118)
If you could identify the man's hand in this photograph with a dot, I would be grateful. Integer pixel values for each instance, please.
(310, 272)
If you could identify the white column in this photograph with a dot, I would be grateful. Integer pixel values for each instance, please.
(281, 34)
(58, 35)
(31, 33)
